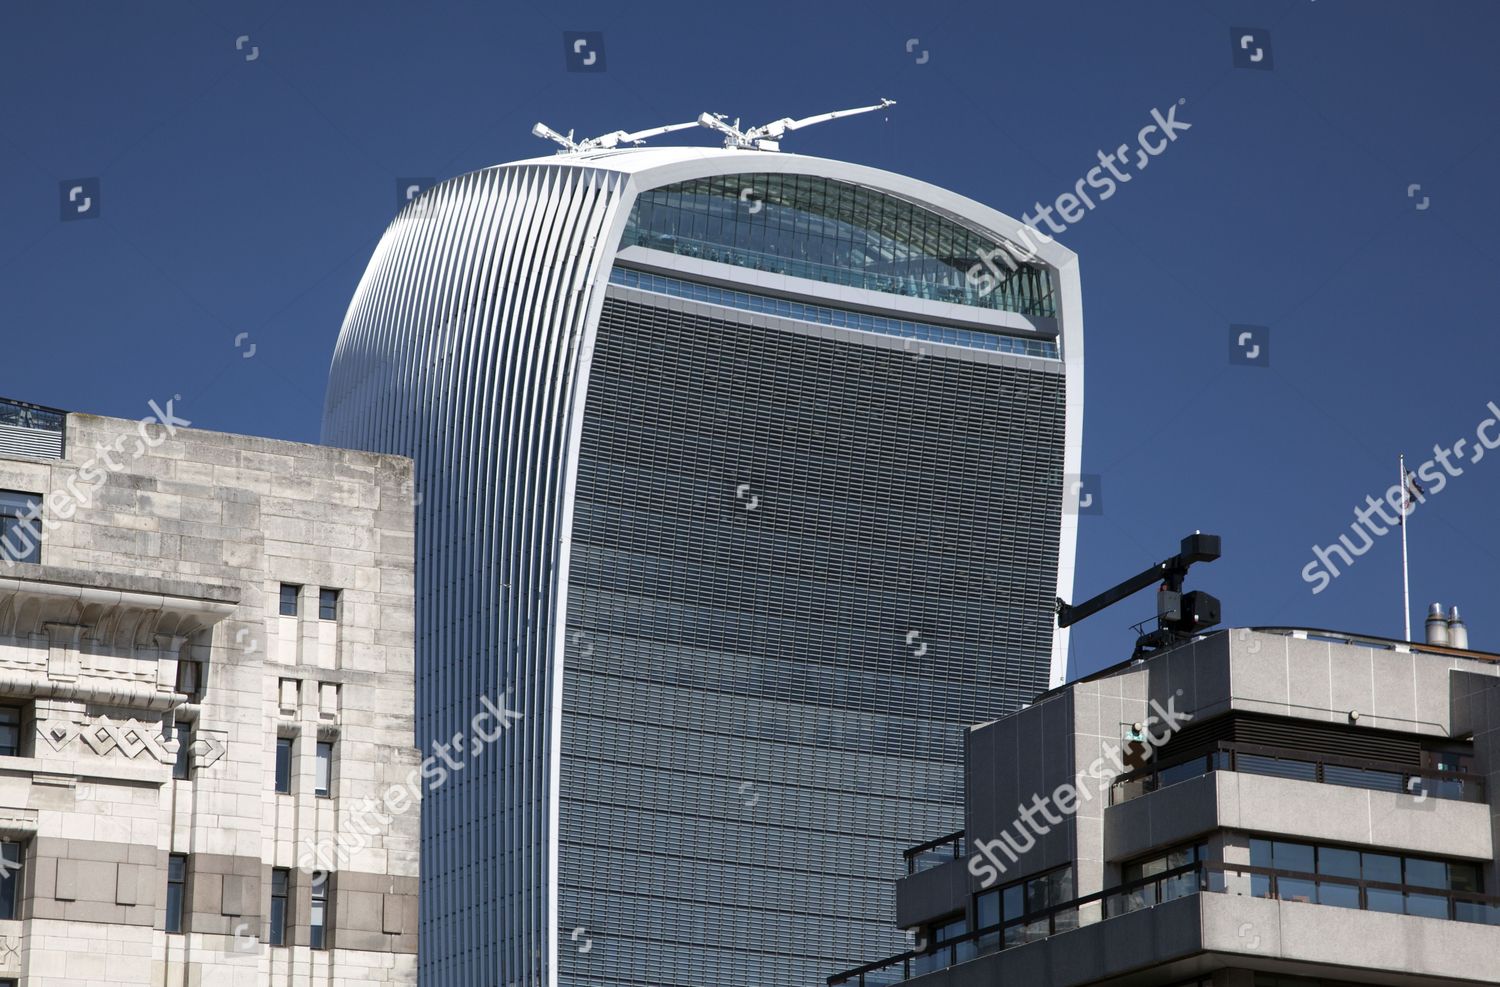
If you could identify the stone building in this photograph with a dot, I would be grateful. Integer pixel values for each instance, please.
(1268, 807)
(205, 675)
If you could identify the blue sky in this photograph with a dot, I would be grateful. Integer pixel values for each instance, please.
(242, 194)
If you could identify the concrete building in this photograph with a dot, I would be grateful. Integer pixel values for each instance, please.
(205, 670)
(1291, 807)
(747, 473)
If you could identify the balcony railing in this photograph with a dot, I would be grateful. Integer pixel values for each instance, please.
(1210, 876)
(1325, 769)
(934, 853)
(31, 430)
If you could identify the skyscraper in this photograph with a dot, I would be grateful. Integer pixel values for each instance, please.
(741, 475)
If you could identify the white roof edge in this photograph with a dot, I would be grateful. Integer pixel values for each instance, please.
(650, 167)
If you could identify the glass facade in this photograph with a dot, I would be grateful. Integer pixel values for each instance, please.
(782, 573)
(750, 728)
(826, 230)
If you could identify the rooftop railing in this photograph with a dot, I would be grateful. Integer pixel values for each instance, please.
(934, 853)
(1204, 876)
(1324, 769)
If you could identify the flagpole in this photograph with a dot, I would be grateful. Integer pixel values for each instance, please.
(1405, 578)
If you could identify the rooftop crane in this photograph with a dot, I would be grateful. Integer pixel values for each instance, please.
(605, 141)
(768, 136)
(1179, 615)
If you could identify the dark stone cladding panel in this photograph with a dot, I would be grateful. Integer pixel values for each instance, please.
(125, 884)
(751, 735)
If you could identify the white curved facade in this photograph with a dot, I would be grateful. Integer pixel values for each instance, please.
(723, 535)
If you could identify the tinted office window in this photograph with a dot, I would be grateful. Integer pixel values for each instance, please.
(281, 879)
(289, 599)
(20, 526)
(328, 604)
(284, 765)
(12, 858)
(11, 721)
(183, 767)
(320, 919)
(176, 885)
(324, 776)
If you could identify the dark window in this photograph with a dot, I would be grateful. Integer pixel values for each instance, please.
(281, 879)
(1011, 904)
(323, 782)
(289, 595)
(12, 864)
(183, 768)
(20, 526)
(321, 919)
(328, 604)
(284, 765)
(12, 721)
(176, 886)
(1409, 873)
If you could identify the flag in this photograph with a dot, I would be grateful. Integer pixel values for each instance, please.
(1413, 489)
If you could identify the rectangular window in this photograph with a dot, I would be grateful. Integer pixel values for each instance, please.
(12, 867)
(281, 879)
(1408, 877)
(284, 765)
(182, 769)
(328, 604)
(20, 526)
(323, 784)
(289, 594)
(321, 919)
(176, 888)
(12, 720)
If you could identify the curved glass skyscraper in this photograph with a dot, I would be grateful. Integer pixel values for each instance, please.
(741, 477)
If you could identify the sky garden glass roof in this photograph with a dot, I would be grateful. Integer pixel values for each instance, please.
(825, 230)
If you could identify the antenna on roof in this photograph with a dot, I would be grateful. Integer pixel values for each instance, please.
(605, 141)
(768, 136)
